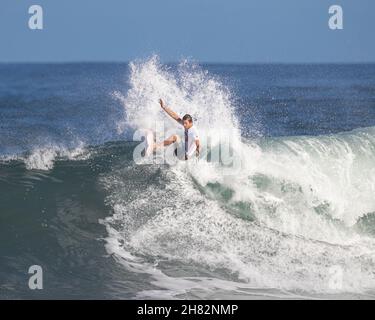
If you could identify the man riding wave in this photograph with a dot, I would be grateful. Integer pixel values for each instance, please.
(191, 141)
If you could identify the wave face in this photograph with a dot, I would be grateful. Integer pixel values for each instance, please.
(292, 218)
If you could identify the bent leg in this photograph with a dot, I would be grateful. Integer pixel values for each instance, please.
(166, 142)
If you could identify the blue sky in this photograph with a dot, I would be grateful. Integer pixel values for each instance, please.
(245, 31)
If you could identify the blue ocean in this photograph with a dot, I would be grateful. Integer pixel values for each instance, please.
(294, 219)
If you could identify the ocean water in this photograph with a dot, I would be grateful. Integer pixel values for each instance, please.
(294, 219)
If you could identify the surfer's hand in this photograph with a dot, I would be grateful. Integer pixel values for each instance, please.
(161, 103)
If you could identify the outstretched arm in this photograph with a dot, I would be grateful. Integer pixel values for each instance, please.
(170, 112)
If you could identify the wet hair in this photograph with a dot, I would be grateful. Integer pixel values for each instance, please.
(187, 117)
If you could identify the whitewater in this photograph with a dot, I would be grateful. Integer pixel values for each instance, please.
(289, 216)
(289, 219)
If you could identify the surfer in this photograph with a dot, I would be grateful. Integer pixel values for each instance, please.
(191, 137)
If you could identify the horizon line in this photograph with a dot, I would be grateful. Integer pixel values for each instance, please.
(194, 61)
